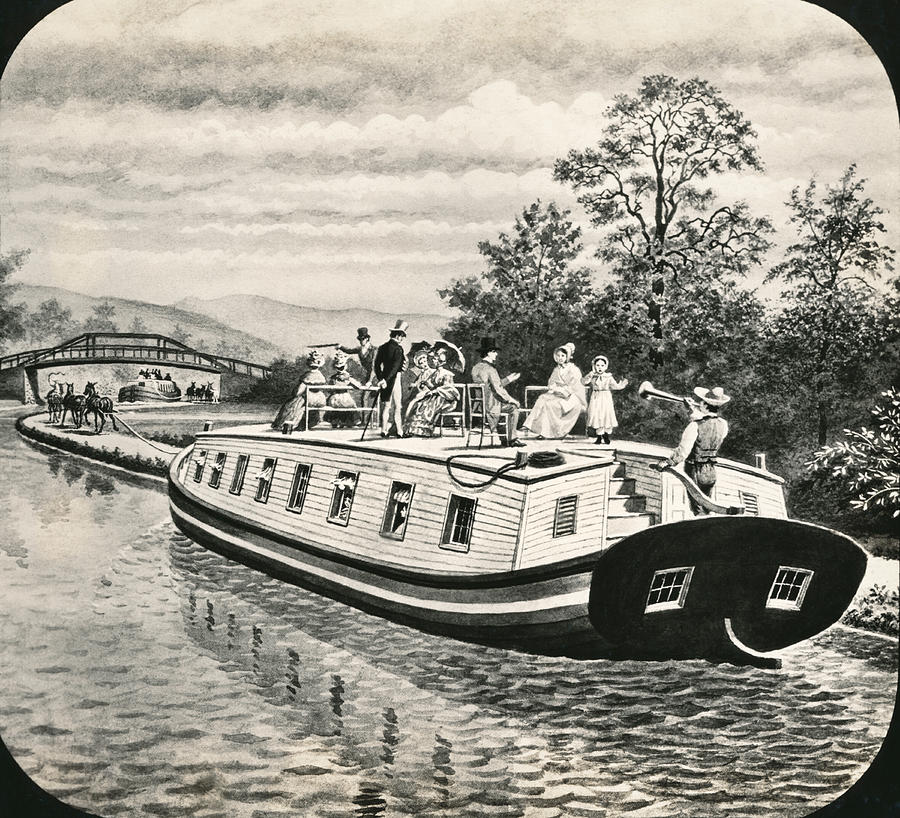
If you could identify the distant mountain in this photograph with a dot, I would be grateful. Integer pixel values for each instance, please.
(204, 332)
(294, 327)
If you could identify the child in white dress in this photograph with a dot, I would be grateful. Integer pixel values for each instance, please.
(601, 415)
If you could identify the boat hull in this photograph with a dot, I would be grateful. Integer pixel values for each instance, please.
(598, 604)
(539, 611)
(143, 394)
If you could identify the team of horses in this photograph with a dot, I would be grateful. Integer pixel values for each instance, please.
(80, 407)
(201, 394)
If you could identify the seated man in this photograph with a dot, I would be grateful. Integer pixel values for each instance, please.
(497, 400)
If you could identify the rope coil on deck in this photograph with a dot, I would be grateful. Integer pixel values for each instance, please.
(539, 460)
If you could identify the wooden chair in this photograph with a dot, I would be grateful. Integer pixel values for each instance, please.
(478, 419)
(532, 393)
(457, 421)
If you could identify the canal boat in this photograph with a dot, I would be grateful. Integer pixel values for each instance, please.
(151, 390)
(559, 548)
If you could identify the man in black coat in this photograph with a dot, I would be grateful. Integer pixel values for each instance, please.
(390, 361)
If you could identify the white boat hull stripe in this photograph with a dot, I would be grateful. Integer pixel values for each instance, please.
(579, 597)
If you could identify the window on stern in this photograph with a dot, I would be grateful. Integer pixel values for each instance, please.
(458, 524)
(668, 589)
(199, 465)
(396, 515)
(342, 497)
(789, 588)
(566, 511)
(215, 474)
(240, 471)
(298, 488)
(264, 480)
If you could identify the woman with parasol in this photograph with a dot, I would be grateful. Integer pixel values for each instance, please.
(435, 392)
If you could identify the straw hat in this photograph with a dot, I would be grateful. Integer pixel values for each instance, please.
(714, 397)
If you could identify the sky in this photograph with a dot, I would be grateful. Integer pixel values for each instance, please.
(353, 153)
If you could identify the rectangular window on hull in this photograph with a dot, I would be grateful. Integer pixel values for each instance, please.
(668, 589)
(459, 522)
(566, 511)
(789, 588)
(199, 465)
(396, 514)
(215, 475)
(240, 470)
(342, 497)
(264, 480)
(298, 488)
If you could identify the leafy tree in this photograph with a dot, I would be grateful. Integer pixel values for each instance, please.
(281, 383)
(869, 459)
(138, 325)
(11, 326)
(49, 323)
(529, 297)
(179, 333)
(835, 328)
(645, 179)
(101, 318)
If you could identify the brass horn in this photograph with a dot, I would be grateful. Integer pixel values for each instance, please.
(648, 391)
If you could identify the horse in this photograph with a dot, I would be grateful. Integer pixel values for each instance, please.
(191, 391)
(54, 402)
(209, 393)
(100, 405)
(72, 403)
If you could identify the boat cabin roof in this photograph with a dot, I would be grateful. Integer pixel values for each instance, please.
(579, 454)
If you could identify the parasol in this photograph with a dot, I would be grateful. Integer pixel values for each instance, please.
(455, 358)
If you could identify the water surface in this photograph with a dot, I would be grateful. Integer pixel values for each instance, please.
(143, 674)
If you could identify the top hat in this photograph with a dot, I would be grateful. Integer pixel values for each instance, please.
(362, 332)
(569, 349)
(714, 397)
(399, 328)
(488, 344)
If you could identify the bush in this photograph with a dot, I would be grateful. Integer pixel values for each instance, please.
(876, 611)
(170, 439)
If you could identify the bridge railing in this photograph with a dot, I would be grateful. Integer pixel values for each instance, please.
(136, 352)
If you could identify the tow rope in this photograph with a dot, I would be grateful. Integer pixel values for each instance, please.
(539, 460)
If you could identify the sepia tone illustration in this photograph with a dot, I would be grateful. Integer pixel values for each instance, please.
(447, 409)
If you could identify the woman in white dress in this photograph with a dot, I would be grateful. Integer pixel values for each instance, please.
(557, 410)
(601, 416)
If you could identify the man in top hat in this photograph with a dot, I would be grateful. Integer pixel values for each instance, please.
(701, 439)
(497, 400)
(364, 350)
(390, 360)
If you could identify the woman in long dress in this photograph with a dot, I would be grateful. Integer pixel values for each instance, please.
(436, 394)
(341, 398)
(558, 409)
(601, 416)
(293, 411)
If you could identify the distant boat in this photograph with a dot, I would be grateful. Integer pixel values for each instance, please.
(577, 551)
(150, 389)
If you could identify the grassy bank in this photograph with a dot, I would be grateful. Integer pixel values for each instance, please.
(158, 466)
